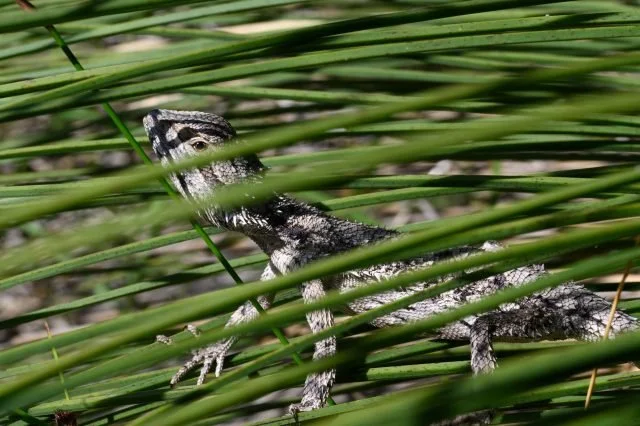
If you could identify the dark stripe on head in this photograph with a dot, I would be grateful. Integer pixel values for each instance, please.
(219, 128)
(196, 119)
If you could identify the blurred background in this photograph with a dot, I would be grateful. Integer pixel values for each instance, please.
(264, 66)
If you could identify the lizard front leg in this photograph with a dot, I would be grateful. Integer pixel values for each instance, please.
(317, 385)
(217, 352)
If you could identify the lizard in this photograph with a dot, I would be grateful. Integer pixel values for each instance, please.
(293, 234)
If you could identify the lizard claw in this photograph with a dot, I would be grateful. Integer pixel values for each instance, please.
(207, 356)
(193, 330)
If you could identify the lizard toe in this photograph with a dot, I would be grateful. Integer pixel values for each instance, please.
(294, 409)
(188, 366)
(206, 368)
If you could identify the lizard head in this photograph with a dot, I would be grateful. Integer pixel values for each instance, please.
(179, 135)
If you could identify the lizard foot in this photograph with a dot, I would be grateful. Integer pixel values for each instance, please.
(207, 356)
(295, 409)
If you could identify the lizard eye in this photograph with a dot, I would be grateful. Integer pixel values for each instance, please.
(199, 145)
(185, 134)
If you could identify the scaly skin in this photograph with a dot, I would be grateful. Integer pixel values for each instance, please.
(293, 234)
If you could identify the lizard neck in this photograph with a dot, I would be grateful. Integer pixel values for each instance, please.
(284, 222)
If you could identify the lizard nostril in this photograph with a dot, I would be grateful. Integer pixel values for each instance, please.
(152, 116)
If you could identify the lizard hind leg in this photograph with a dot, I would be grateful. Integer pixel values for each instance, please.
(565, 312)
(525, 324)
(532, 323)
(589, 313)
(569, 311)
